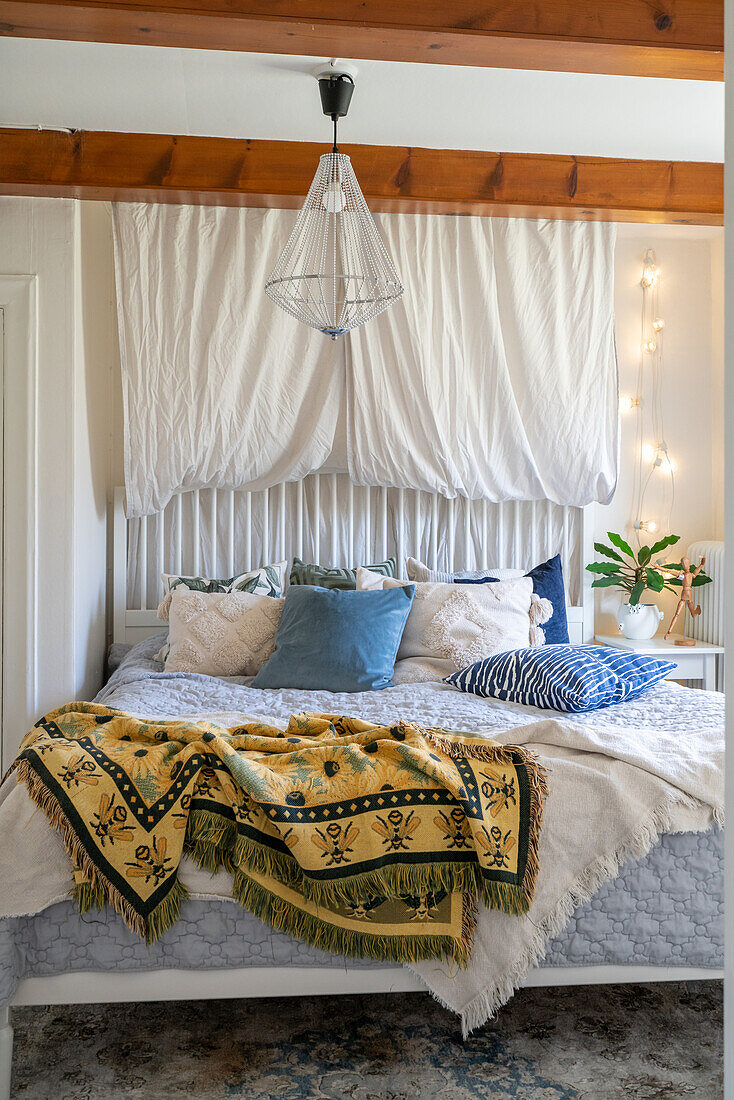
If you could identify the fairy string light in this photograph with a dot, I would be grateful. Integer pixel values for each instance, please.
(654, 468)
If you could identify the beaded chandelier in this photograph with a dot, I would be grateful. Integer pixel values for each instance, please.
(334, 272)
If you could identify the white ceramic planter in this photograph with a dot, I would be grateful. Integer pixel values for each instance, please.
(639, 623)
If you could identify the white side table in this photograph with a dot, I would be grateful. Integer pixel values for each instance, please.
(695, 662)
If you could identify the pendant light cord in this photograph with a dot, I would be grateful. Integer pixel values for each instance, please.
(335, 120)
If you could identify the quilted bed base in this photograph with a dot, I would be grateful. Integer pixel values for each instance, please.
(663, 910)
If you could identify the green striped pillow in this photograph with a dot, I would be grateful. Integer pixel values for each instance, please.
(320, 575)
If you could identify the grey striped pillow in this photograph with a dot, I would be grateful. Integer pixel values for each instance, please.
(419, 571)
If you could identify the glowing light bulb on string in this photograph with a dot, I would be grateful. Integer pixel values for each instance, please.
(650, 270)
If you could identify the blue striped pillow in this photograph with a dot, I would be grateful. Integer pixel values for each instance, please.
(572, 678)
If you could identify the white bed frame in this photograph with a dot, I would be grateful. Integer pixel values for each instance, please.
(371, 516)
(370, 525)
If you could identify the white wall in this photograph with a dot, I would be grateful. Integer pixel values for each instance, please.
(42, 238)
(691, 303)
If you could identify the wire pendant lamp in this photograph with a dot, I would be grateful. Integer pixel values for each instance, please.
(334, 272)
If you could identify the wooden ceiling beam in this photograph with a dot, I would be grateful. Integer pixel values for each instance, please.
(668, 38)
(229, 172)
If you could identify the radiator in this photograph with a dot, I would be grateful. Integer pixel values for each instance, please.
(709, 625)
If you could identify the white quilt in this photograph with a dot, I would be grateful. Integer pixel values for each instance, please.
(618, 778)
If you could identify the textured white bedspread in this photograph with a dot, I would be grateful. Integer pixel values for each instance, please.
(618, 778)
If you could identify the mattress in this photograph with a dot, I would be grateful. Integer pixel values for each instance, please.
(665, 909)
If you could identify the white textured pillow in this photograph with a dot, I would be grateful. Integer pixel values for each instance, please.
(221, 633)
(461, 623)
(418, 571)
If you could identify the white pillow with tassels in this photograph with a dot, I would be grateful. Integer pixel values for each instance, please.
(459, 623)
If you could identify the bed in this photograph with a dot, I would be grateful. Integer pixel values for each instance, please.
(659, 919)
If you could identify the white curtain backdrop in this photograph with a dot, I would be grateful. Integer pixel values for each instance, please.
(495, 376)
(220, 387)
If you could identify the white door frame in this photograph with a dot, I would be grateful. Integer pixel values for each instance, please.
(18, 576)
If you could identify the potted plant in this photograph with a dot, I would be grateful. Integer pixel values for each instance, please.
(635, 574)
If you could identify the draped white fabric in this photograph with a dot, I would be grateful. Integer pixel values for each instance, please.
(220, 387)
(495, 376)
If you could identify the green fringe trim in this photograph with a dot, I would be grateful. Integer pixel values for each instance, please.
(507, 896)
(166, 913)
(285, 917)
(213, 843)
(90, 895)
(392, 881)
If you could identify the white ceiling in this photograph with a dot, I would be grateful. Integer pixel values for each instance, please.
(146, 88)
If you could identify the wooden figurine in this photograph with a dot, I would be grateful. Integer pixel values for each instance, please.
(686, 598)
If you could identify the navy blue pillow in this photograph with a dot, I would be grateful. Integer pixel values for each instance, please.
(547, 581)
(337, 639)
(561, 677)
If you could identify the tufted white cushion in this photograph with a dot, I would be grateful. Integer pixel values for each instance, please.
(447, 622)
(221, 633)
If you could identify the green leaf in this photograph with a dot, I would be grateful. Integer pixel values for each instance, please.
(644, 555)
(695, 583)
(607, 582)
(274, 581)
(661, 544)
(603, 567)
(607, 551)
(618, 541)
(636, 592)
(655, 580)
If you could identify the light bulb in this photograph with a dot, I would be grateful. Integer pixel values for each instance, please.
(333, 199)
(651, 525)
(658, 324)
(649, 453)
(649, 345)
(650, 275)
(625, 404)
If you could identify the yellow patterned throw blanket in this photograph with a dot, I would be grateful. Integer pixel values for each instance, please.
(361, 839)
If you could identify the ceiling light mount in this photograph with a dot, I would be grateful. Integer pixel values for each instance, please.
(336, 87)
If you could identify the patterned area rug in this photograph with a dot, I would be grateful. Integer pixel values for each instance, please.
(654, 1042)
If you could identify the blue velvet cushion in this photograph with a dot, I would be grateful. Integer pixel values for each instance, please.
(336, 639)
(547, 581)
(562, 677)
